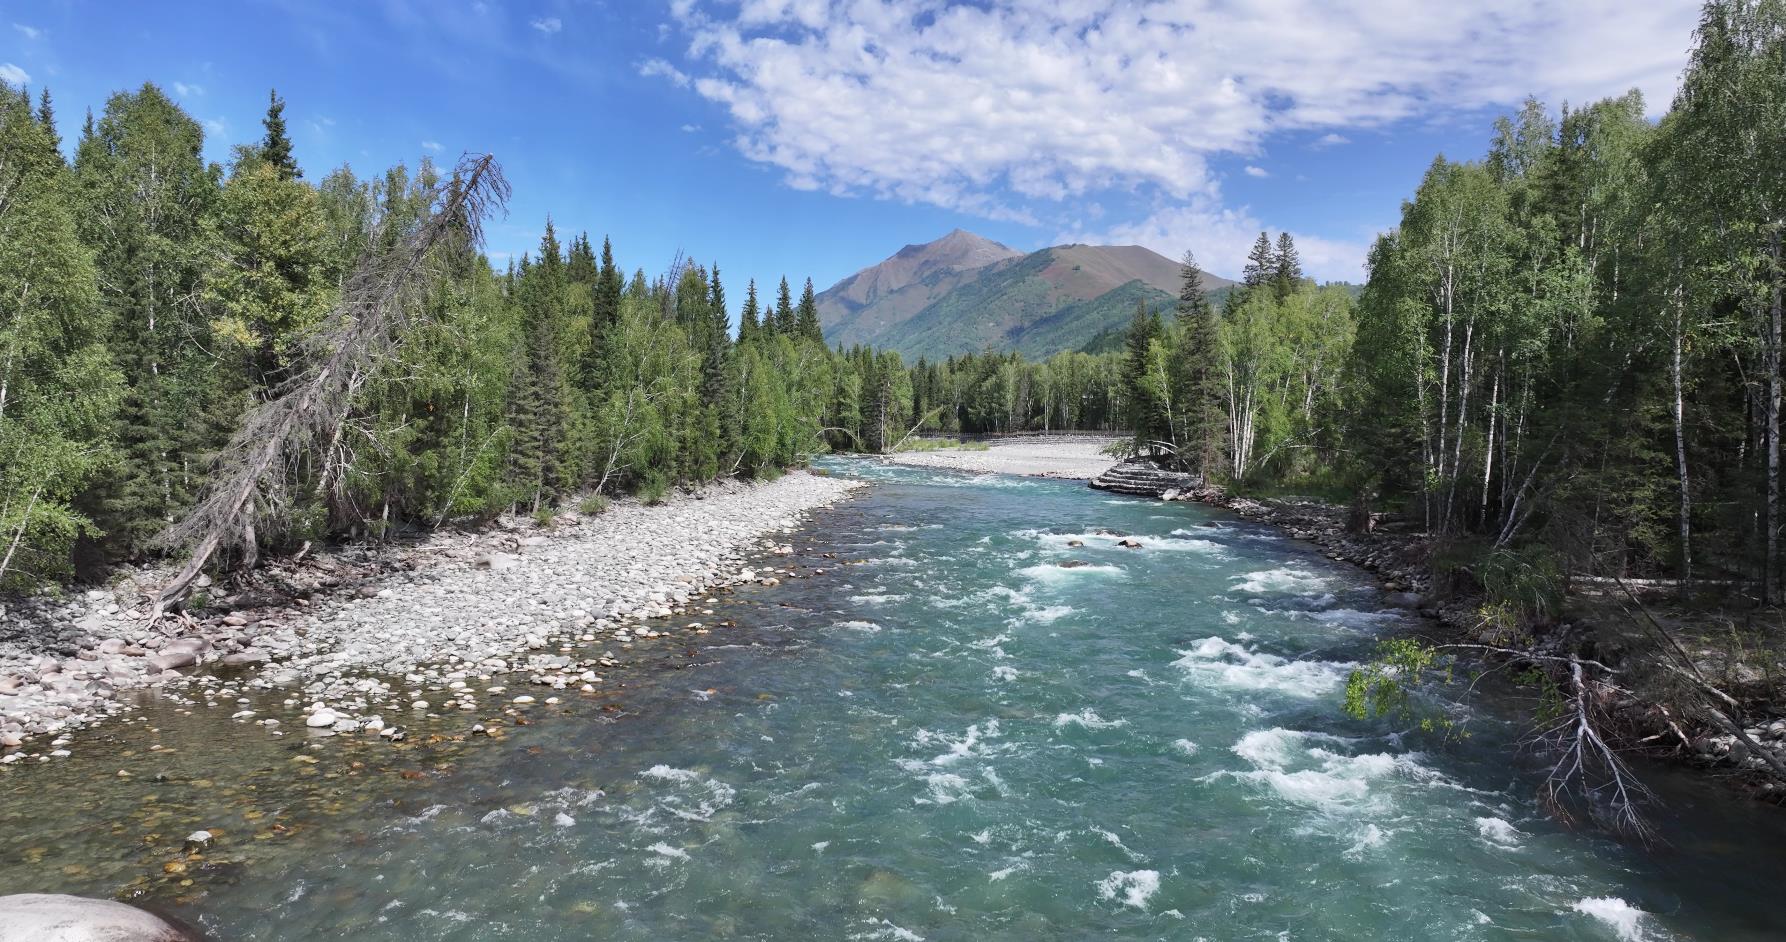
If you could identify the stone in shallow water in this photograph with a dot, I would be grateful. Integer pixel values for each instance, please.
(49, 917)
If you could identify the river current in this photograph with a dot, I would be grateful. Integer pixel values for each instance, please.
(946, 736)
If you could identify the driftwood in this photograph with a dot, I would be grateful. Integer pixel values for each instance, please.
(379, 305)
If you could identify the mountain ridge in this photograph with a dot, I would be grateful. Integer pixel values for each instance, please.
(964, 293)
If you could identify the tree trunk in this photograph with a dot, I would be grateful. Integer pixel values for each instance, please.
(1771, 521)
(1680, 449)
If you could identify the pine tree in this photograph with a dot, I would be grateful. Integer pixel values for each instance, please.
(46, 116)
(1144, 407)
(275, 148)
(784, 310)
(806, 320)
(1261, 263)
(144, 193)
(1197, 373)
(748, 327)
(540, 466)
(1287, 275)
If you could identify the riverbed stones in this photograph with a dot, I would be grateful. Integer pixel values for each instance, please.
(322, 719)
(440, 611)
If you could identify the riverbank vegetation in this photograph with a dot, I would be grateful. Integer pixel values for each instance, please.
(1565, 369)
(151, 301)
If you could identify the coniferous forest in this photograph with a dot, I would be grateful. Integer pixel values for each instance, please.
(1571, 343)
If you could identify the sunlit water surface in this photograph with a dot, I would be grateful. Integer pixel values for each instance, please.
(953, 738)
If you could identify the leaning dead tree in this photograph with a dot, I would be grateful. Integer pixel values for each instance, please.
(380, 303)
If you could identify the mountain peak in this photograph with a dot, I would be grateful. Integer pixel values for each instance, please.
(959, 248)
(966, 292)
(912, 267)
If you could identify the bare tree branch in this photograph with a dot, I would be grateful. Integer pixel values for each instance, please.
(379, 304)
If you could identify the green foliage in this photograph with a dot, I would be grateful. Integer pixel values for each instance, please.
(594, 505)
(58, 385)
(1388, 686)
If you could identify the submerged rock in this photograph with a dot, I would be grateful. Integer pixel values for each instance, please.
(50, 917)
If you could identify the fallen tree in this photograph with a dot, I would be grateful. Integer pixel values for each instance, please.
(380, 304)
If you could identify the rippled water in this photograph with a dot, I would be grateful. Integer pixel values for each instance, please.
(953, 738)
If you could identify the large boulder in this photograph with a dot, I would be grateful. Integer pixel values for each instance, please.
(51, 917)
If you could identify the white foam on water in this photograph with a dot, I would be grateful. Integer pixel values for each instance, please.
(1326, 781)
(968, 744)
(897, 561)
(1051, 574)
(877, 598)
(1015, 867)
(1280, 581)
(1185, 746)
(944, 788)
(1049, 614)
(1224, 663)
(1622, 917)
(880, 929)
(689, 795)
(1355, 618)
(866, 627)
(1086, 719)
(1366, 838)
(665, 850)
(1004, 673)
(1116, 842)
(1134, 887)
(1499, 833)
(818, 847)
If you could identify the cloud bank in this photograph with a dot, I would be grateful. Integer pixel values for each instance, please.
(1018, 110)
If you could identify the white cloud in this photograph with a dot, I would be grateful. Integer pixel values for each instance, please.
(658, 67)
(431, 146)
(1331, 139)
(29, 32)
(547, 24)
(690, 128)
(1013, 109)
(13, 75)
(1253, 171)
(188, 91)
(216, 127)
(1222, 236)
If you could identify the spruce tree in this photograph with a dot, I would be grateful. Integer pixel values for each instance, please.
(1261, 263)
(540, 465)
(144, 194)
(46, 116)
(806, 320)
(784, 310)
(1197, 372)
(1287, 275)
(275, 148)
(747, 318)
(1144, 330)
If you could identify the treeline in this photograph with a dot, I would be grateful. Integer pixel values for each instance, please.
(149, 298)
(1568, 353)
(1248, 393)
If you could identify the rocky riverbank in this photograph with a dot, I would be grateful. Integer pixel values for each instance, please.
(357, 639)
(1401, 558)
(1072, 458)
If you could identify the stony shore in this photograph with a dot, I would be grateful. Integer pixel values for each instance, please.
(1071, 458)
(358, 639)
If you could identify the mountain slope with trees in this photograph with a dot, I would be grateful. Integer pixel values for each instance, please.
(963, 294)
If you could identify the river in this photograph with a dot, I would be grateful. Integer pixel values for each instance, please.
(947, 735)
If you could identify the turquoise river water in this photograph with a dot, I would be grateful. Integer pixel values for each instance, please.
(947, 735)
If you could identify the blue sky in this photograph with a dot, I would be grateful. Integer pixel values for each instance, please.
(813, 137)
